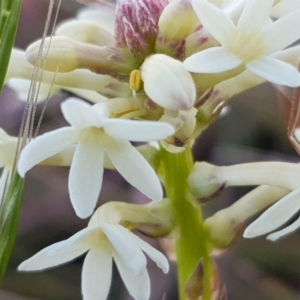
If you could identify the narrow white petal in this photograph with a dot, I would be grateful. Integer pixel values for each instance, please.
(275, 71)
(212, 60)
(126, 246)
(282, 33)
(275, 216)
(297, 134)
(80, 114)
(168, 83)
(86, 174)
(45, 146)
(254, 15)
(285, 231)
(96, 274)
(216, 22)
(132, 130)
(133, 167)
(138, 286)
(154, 254)
(60, 252)
(284, 7)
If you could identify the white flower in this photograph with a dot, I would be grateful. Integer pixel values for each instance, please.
(249, 42)
(104, 243)
(97, 136)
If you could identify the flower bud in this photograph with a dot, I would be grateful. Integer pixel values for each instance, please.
(86, 32)
(168, 83)
(186, 20)
(63, 54)
(137, 25)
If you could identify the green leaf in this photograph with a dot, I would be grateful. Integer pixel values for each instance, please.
(11, 205)
(9, 18)
(9, 220)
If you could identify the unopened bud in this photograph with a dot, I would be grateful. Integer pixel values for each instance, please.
(168, 83)
(137, 25)
(177, 21)
(63, 54)
(86, 32)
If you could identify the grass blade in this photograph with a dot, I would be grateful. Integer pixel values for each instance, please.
(9, 18)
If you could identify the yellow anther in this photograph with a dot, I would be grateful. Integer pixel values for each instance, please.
(130, 227)
(135, 80)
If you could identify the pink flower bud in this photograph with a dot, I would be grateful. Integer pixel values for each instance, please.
(137, 25)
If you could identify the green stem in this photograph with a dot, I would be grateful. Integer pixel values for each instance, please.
(9, 220)
(192, 243)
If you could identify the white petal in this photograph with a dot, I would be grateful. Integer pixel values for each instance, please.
(125, 245)
(44, 146)
(138, 286)
(80, 114)
(285, 231)
(22, 87)
(86, 174)
(96, 274)
(60, 252)
(254, 15)
(143, 131)
(212, 60)
(216, 22)
(275, 71)
(297, 134)
(154, 254)
(168, 83)
(133, 167)
(284, 7)
(275, 216)
(104, 17)
(282, 33)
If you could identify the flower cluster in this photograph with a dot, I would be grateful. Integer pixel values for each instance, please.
(139, 76)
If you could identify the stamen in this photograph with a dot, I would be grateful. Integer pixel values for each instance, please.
(135, 80)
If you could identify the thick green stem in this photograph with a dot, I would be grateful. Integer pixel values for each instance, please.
(192, 244)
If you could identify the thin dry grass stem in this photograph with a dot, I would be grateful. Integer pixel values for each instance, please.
(26, 120)
(27, 125)
(52, 83)
(95, 3)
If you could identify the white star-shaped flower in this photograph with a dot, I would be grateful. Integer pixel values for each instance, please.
(248, 43)
(104, 242)
(97, 136)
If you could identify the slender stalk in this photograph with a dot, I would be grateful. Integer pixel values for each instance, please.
(9, 221)
(192, 243)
